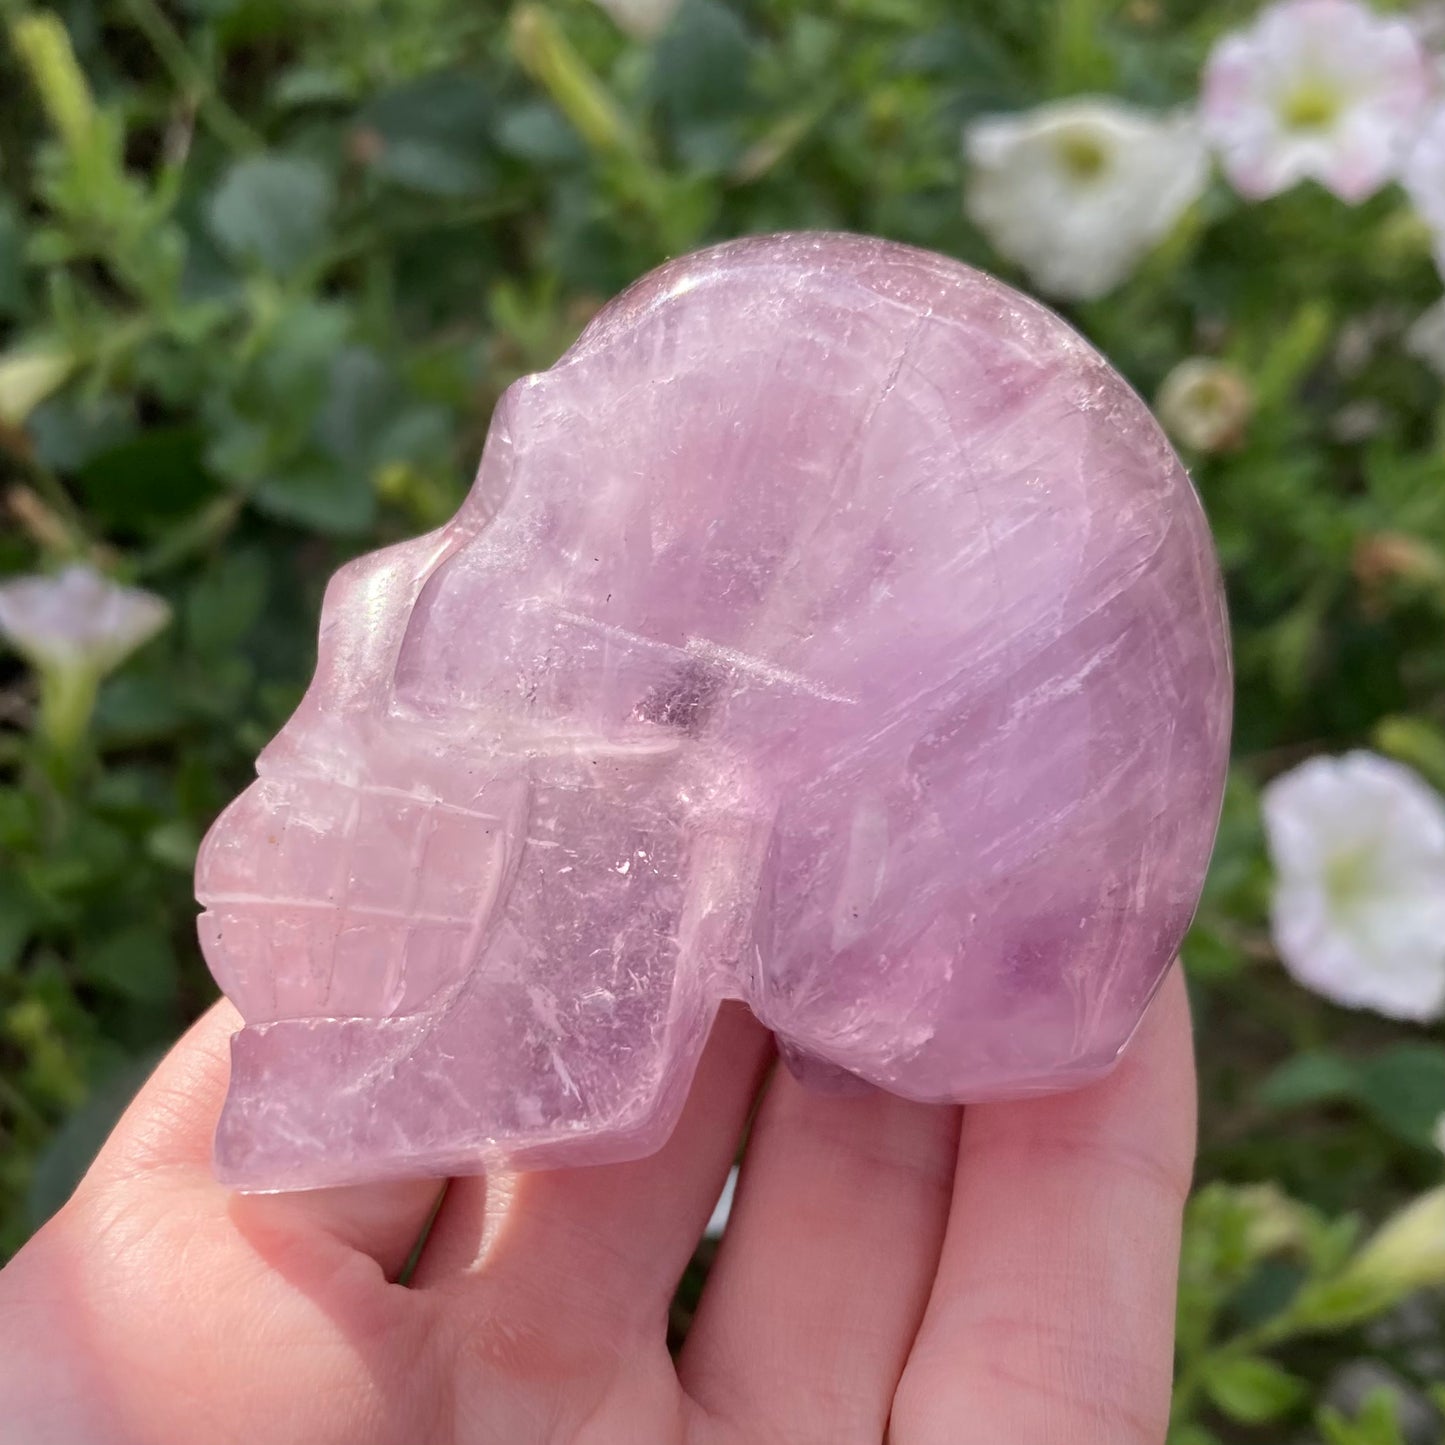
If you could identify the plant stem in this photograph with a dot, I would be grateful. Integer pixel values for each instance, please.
(418, 222)
(205, 529)
(67, 700)
(1077, 60)
(170, 49)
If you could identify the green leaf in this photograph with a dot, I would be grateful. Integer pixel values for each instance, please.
(700, 78)
(1308, 1079)
(18, 915)
(12, 255)
(273, 211)
(70, 430)
(92, 853)
(137, 962)
(362, 393)
(1404, 1088)
(433, 135)
(225, 602)
(535, 131)
(367, 419)
(18, 817)
(1210, 957)
(174, 845)
(273, 432)
(147, 480)
(1376, 1424)
(1415, 742)
(1187, 1434)
(1251, 1389)
(320, 494)
(134, 708)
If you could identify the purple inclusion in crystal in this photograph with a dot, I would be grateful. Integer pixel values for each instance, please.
(830, 629)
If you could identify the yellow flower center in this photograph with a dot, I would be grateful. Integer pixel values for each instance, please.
(1209, 396)
(1312, 105)
(1083, 155)
(1350, 879)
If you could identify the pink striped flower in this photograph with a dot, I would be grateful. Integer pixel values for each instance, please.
(1321, 90)
(1424, 180)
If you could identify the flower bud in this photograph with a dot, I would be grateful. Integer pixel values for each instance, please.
(1407, 1253)
(1205, 405)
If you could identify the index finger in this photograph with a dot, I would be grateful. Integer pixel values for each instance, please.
(1051, 1319)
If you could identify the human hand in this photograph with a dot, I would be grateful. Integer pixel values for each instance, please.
(882, 1275)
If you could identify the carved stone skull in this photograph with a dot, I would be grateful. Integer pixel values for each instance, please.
(829, 629)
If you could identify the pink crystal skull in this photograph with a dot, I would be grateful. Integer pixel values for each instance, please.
(830, 629)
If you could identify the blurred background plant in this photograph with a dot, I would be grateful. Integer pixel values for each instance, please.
(265, 268)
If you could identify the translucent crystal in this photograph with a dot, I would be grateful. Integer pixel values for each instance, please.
(831, 629)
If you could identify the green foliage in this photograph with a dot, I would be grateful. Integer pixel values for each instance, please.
(1375, 1425)
(264, 270)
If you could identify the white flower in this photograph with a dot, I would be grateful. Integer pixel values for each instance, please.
(642, 19)
(1077, 192)
(1440, 1133)
(78, 621)
(1205, 405)
(1425, 339)
(1358, 914)
(1322, 89)
(722, 1210)
(1424, 179)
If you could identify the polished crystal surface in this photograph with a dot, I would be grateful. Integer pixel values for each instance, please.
(831, 629)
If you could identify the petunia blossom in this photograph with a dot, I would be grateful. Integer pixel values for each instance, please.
(78, 620)
(1358, 912)
(1424, 180)
(1316, 89)
(1079, 191)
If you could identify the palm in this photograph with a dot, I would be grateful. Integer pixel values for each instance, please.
(881, 1275)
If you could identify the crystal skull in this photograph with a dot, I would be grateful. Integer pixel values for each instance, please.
(830, 629)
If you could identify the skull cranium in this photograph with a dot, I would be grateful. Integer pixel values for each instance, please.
(830, 629)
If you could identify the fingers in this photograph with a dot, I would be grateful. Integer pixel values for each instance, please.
(1052, 1318)
(825, 1267)
(162, 1146)
(602, 1247)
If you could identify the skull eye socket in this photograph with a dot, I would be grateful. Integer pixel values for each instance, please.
(539, 665)
(682, 701)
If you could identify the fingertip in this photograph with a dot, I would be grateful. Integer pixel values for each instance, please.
(1052, 1313)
